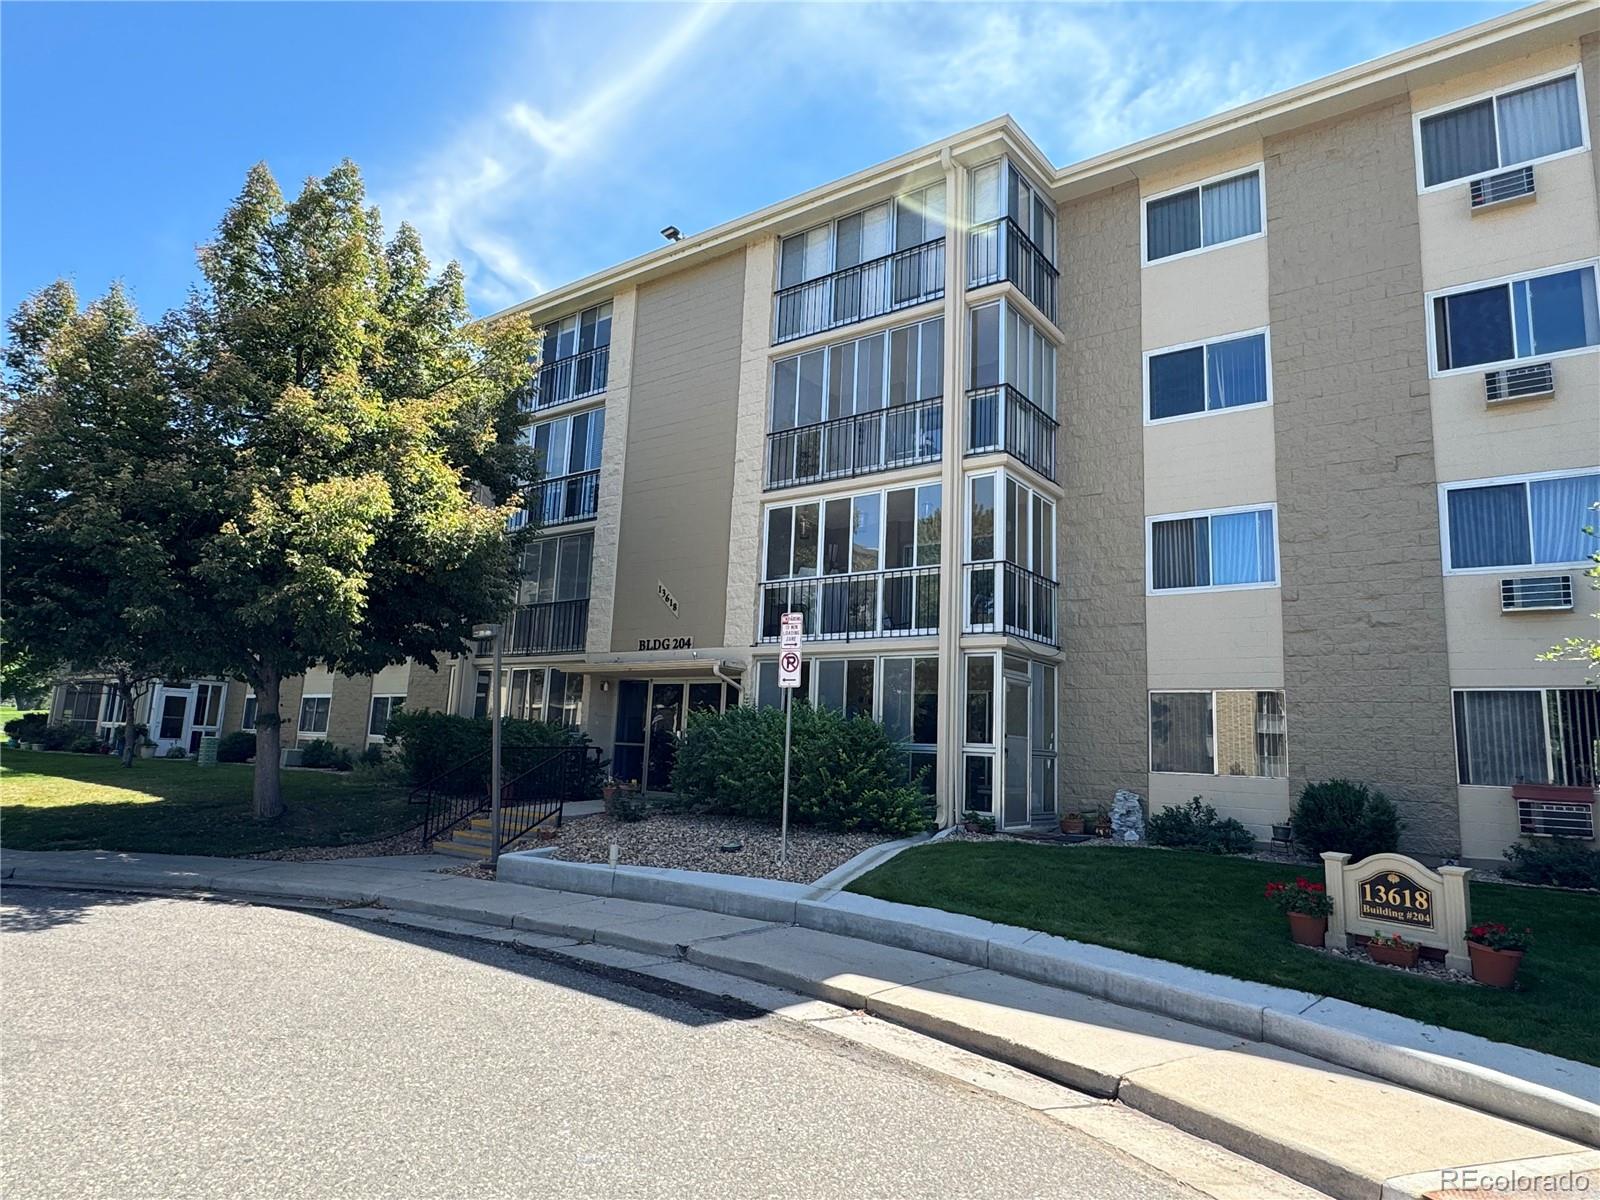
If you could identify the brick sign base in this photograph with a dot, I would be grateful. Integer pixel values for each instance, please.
(1390, 893)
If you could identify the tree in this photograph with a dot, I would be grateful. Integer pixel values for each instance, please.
(372, 442)
(1582, 649)
(103, 488)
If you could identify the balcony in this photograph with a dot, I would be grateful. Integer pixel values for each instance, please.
(870, 289)
(570, 378)
(1027, 607)
(999, 250)
(1002, 418)
(565, 499)
(857, 445)
(555, 627)
(843, 608)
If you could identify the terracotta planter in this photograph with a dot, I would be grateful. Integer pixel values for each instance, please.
(1072, 824)
(1390, 956)
(1307, 930)
(1497, 968)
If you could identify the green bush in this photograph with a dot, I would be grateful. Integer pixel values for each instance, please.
(175, 752)
(58, 737)
(84, 744)
(372, 756)
(1197, 827)
(1347, 817)
(1561, 862)
(322, 753)
(847, 773)
(432, 744)
(238, 746)
(29, 727)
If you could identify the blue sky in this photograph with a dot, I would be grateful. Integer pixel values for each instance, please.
(539, 142)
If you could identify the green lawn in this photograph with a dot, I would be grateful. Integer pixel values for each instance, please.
(91, 802)
(1208, 912)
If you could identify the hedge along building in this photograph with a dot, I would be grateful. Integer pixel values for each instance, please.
(1251, 454)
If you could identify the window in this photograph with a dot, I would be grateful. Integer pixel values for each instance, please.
(578, 334)
(575, 357)
(910, 711)
(1000, 190)
(979, 728)
(556, 568)
(1540, 736)
(247, 718)
(80, 705)
(845, 685)
(1505, 130)
(1208, 214)
(1228, 548)
(1218, 733)
(913, 219)
(1535, 316)
(568, 445)
(383, 707)
(1019, 601)
(314, 714)
(537, 694)
(901, 366)
(1188, 380)
(1537, 521)
(1007, 348)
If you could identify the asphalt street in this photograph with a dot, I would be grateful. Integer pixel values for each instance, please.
(169, 1048)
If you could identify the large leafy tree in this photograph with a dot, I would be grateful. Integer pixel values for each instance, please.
(105, 486)
(370, 435)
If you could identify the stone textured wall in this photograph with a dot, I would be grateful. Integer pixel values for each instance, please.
(1104, 737)
(349, 711)
(1366, 675)
(1589, 56)
(428, 687)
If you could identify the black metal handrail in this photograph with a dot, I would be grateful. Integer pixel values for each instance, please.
(1002, 418)
(540, 792)
(453, 795)
(999, 249)
(564, 379)
(870, 289)
(536, 781)
(565, 499)
(549, 627)
(903, 602)
(856, 445)
(1027, 601)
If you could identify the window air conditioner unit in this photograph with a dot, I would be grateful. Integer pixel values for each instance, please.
(1535, 592)
(1519, 383)
(1502, 188)
(1544, 811)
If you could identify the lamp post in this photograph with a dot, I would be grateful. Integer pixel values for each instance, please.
(481, 632)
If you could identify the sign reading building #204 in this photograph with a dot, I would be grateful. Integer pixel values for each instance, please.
(1393, 896)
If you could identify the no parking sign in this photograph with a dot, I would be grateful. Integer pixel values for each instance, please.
(789, 636)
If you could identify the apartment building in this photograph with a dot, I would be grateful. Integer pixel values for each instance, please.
(1256, 453)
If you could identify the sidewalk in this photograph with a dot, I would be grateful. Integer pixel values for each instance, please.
(1338, 1130)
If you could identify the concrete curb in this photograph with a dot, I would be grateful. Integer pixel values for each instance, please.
(872, 856)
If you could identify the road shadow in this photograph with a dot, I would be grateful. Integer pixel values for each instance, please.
(37, 910)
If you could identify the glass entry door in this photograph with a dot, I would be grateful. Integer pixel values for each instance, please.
(651, 714)
(666, 721)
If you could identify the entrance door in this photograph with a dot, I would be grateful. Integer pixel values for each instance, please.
(651, 714)
(207, 713)
(1015, 811)
(174, 721)
(666, 722)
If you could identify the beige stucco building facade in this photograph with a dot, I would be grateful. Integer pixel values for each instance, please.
(1251, 455)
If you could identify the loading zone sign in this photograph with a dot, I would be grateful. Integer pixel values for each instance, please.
(790, 633)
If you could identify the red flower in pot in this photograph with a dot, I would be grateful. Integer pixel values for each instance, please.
(1496, 951)
(1307, 906)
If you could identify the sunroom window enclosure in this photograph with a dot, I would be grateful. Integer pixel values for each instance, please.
(1187, 381)
(1011, 393)
(1204, 215)
(1522, 522)
(1515, 320)
(1515, 127)
(568, 451)
(1010, 573)
(878, 260)
(1008, 738)
(1199, 551)
(1013, 234)
(865, 565)
(1527, 735)
(1225, 732)
(552, 613)
(575, 358)
(869, 404)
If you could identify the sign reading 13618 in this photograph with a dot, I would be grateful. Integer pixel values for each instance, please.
(1396, 898)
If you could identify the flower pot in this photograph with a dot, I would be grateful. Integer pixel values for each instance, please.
(1497, 968)
(1307, 930)
(1072, 823)
(1392, 956)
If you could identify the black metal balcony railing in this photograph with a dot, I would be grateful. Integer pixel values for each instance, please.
(896, 603)
(570, 378)
(554, 627)
(565, 499)
(856, 445)
(1002, 418)
(869, 289)
(999, 250)
(1005, 598)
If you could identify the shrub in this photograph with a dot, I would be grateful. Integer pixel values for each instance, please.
(372, 756)
(175, 752)
(237, 747)
(29, 727)
(319, 752)
(1197, 827)
(58, 737)
(846, 772)
(84, 744)
(1562, 862)
(1346, 817)
(434, 743)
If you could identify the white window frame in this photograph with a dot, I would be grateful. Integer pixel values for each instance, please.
(1544, 726)
(1198, 185)
(1150, 740)
(1503, 281)
(389, 696)
(821, 501)
(782, 353)
(832, 226)
(1149, 550)
(249, 706)
(1575, 69)
(1206, 344)
(568, 418)
(300, 716)
(1494, 481)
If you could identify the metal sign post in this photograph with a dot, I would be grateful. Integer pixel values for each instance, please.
(789, 638)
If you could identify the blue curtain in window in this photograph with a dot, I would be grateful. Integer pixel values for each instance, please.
(1172, 225)
(1478, 327)
(1237, 372)
(1457, 144)
(1562, 509)
(1540, 120)
(1179, 554)
(1177, 383)
(1241, 548)
(1556, 312)
(1231, 209)
(1500, 738)
(1489, 526)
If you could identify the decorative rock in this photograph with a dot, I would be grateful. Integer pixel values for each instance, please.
(1127, 817)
